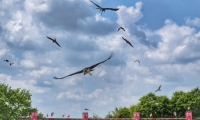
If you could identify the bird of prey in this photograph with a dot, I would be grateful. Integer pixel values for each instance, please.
(86, 109)
(158, 88)
(54, 40)
(127, 42)
(68, 116)
(6, 60)
(11, 64)
(121, 28)
(137, 61)
(52, 114)
(104, 9)
(87, 70)
(63, 115)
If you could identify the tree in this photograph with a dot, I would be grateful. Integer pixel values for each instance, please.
(14, 103)
(124, 113)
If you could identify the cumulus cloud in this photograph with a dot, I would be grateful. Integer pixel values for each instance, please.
(193, 22)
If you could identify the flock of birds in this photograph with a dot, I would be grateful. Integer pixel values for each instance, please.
(88, 70)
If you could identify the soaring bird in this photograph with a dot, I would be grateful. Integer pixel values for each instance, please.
(121, 28)
(103, 9)
(87, 70)
(54, 40)
(68, 116)
(127, 42)
(158, 88)
(52, 114)
(11, 64)
(137, 61)
(86, 109)
(6, 60)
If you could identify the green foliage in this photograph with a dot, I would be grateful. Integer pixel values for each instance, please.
(162, 106)
(124, 113)
(14, 103)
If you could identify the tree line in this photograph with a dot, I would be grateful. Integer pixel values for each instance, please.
(151, 105)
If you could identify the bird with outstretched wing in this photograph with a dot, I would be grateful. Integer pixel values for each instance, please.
(127, 42)
(103, 9)
(87, 109)
(137, 61)
(87, 70)
(158, 88)
(54, 40)
(121, 28)
(6, 60)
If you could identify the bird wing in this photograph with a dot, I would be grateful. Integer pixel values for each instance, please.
(57, 44)
(122, 28)
(127, 42)
(70, 74)
(50, 38)
(119, 29)
(159, 86)
(96, 4)
(113, 9)
(93, 66)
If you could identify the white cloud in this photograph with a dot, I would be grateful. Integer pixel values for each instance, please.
(193, 22)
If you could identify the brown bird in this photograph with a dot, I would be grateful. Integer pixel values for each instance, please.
(68, 116)
(6, 60)
(86, 109)
(158, 88)
(87, 70)
(127, 42)
(137, 61)
(11, 64)
(121, 28)
(54, 40)
(104, 9)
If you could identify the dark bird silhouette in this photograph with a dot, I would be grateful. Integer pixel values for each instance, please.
(137, 61)
(11, 64)
(104, 9)
(86, 109)
(52, 114)
(127, 42)
(121, 28)
(6, 60)
(68, 116)
(47, 114)
(54, 40)
(158, 88)
(86, 70)
(63, 115)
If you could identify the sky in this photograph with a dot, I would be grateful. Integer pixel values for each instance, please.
(165, 35)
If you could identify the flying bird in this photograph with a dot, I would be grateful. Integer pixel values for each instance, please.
(137, 61)
(54, 40)
(11, 64)
(47, 114)
(63, 115)
(121, 28)
(158, 88)
(68, 116)
(87, 70)
(86, 109)
(52, 114)
(104, 9)
(6, 60)
(127, 42)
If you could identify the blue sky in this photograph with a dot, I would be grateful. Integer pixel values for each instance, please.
(165, 35)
